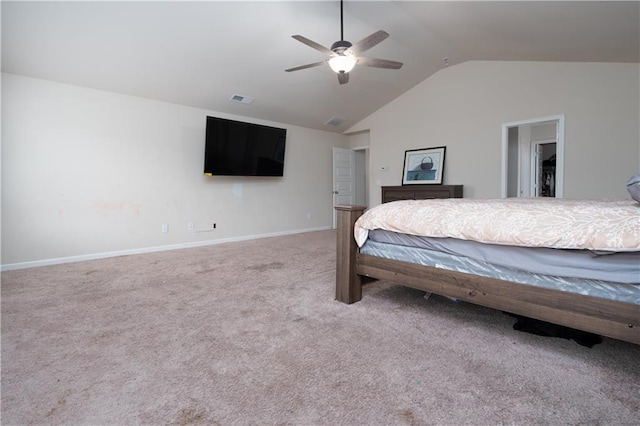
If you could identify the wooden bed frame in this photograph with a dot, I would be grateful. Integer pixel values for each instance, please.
(596, 315)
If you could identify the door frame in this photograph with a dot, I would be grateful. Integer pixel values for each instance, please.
(560, 130)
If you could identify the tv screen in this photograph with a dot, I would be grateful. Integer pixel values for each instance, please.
(235, 148)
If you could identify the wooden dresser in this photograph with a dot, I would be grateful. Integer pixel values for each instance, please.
(420, 192)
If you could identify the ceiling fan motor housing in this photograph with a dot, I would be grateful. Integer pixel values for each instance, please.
(340, 46)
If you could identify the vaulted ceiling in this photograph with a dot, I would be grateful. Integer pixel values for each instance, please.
(201, 53)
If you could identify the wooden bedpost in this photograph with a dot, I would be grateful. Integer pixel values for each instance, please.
(348, 283)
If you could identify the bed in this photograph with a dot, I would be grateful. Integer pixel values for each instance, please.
(600, 296)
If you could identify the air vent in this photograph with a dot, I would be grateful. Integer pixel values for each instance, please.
(335, 121)
(242, 99)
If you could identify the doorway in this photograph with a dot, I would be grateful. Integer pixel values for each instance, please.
(533, 158)
(349, 177)
(544, 168)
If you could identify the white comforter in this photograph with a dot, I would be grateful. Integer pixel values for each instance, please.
(608, 225)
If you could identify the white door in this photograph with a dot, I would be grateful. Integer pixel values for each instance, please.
(344, 173)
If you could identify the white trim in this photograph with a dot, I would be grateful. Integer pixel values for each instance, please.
(104, 255)
(534, 120)
(560, 158)
(505, 161)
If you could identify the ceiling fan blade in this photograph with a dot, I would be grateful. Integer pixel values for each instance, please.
(304, 67)
(343, 77)
(368, 42)
(379, 63)
(313, 44)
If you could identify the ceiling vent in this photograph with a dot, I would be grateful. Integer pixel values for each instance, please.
(335, 121)
(242, 99)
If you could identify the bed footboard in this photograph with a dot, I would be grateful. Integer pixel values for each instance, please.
(348, 283)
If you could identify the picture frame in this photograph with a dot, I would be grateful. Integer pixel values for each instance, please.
(423, 166)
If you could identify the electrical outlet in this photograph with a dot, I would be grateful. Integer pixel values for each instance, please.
(165, 228)
(214, 226)
(190, 226)
(308, 216)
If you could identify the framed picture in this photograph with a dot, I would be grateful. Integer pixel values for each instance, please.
(424, 165)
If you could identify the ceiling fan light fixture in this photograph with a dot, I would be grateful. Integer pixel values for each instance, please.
(342, 63)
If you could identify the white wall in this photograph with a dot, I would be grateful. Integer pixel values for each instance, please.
(359, 140)
(464, 106)
(93, 173)
(543, 132)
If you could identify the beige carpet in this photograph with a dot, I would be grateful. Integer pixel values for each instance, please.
(249, 333)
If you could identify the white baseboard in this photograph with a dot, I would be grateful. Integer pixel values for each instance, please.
(93, 256)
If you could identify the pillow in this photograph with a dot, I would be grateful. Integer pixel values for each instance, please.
(633, 186)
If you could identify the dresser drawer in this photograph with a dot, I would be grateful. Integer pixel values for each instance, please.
(420, 192)
(425, 195)
(393, 195)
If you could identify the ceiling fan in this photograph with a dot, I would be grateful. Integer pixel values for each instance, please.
(343, 55)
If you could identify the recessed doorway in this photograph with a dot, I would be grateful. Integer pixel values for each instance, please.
(349, 177)
(533, 158)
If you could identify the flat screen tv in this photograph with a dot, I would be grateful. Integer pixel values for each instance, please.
(235, 148)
